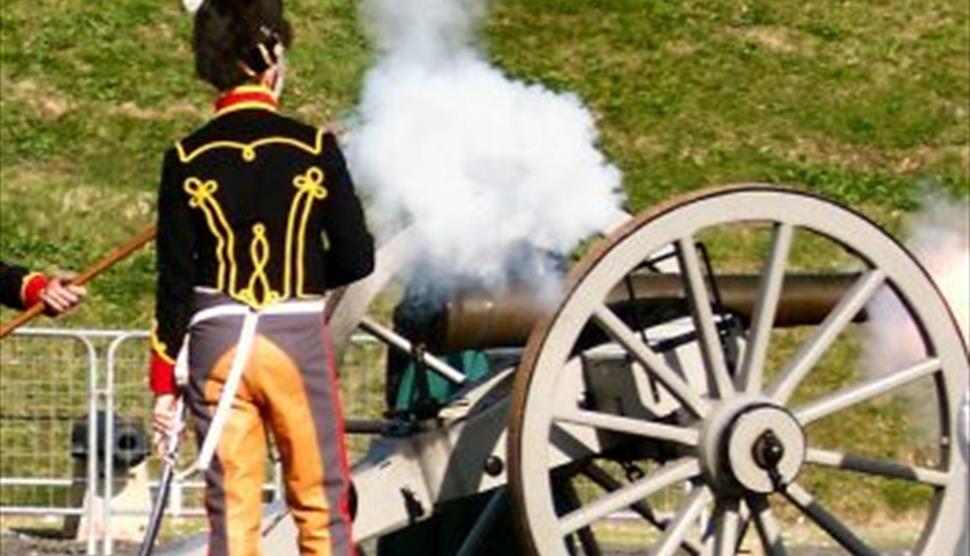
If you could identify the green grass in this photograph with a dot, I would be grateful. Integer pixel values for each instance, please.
(864, 101)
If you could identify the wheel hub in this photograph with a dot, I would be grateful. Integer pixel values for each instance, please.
(764, 448)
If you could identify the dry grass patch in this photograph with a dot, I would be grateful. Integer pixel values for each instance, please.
(70, 205)
(176, 109)
(41, 99)
(776, 39)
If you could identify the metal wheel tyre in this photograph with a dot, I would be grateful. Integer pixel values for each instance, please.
(745, 449)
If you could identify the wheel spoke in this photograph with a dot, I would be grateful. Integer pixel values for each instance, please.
(769, 292)
(639, 427)
(703, 316)
(767, 527)
(485, 523)
(830, 329)
(669, 474)
(585, 534)
(677, 529)
(867, 390)
(571, 447)
(728, 529)
(653, 362)
(400, 342)
(889, 469)
(589, 543)
(608, 483)
(745, 517)
(805, 502)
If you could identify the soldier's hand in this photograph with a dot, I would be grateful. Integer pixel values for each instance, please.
(60, 296)
(165, 422)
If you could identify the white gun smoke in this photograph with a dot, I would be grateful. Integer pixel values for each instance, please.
(480, 164)
(939, 236)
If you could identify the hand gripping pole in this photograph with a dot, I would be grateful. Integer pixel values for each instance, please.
(109, 260)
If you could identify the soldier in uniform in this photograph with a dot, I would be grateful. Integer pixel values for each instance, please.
(257, 219)
(20, 288)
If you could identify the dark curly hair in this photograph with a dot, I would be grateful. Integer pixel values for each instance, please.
(228, 32)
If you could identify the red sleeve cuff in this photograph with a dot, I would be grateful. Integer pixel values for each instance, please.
(162, 375)
(34, 283)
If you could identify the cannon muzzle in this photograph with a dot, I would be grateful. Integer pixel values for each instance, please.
(479, 320)
(130, 444)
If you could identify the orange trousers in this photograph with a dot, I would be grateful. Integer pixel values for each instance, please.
(289, 389)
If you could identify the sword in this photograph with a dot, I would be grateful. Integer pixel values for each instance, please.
(165, 484)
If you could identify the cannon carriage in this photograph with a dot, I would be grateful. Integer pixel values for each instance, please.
(671, 383)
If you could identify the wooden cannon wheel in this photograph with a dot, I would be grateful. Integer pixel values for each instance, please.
(742, 449)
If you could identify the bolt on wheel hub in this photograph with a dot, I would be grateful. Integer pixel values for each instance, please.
(765, 449)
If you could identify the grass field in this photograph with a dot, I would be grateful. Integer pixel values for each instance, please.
(865, 101)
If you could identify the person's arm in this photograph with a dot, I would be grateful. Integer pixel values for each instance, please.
(176, 275)
(21, 289)
(350, 244)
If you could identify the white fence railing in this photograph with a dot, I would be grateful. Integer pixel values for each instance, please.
(51, 380)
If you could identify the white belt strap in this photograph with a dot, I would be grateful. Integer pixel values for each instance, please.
(234, 378)
(182, 363)
(306, 306)
(229, 389)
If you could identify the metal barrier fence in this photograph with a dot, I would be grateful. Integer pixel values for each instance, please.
(53, 378)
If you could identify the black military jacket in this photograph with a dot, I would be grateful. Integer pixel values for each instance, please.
(257, 206)
(19, 287)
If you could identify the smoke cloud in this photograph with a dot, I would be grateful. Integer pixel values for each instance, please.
(939, 236)
(479, 163)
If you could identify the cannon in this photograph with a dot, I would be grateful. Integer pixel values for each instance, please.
(673, 382)
(479, 319)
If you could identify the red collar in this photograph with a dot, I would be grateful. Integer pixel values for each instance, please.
(246, 96)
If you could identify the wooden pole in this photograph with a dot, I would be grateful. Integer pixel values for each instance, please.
(106, 262)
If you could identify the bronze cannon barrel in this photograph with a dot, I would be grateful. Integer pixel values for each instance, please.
(477, 320)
